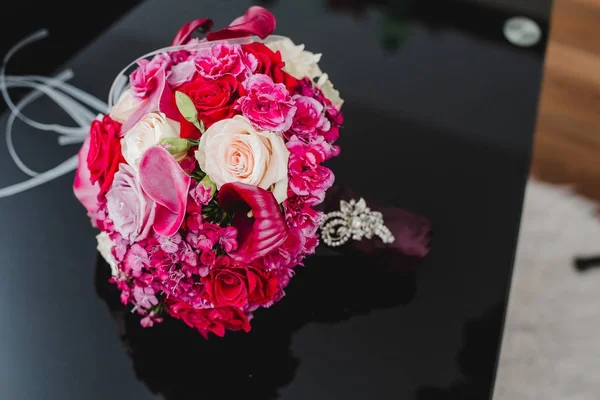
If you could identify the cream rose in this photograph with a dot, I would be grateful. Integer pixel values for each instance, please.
(298, 62)
(105, 245)
(125, 107)
(231, 150)
(147, 132)
(329, 91)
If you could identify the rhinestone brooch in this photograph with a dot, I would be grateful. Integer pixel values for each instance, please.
(355, 221)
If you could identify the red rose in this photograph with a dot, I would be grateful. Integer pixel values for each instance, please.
(227, 287)
(238, 286)
(213, 98)
(105, 155)
(205, 320)
(270, 63)
(262, 286)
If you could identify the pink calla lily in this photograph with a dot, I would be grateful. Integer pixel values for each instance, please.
(161, 99)
(257, 21)
(264, 231)
(185, 33)
(168, 185)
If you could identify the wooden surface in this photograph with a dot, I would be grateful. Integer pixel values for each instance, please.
(567, 141)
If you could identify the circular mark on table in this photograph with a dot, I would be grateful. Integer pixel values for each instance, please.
(522, 31)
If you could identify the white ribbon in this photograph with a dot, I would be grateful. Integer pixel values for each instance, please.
(72, 100)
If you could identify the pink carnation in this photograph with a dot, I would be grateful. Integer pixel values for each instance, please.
(309, 181)
(300, 215)
(307, 88)
(267, 105)
(313, 153)
(225, 59)
(143, 80)
(309, 117)
(287, 255)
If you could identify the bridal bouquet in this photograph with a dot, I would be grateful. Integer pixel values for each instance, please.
(204, 175)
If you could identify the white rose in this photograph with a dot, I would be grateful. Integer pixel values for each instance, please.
(105, 245)
(146, 133)
(329, 91)
(125, 107)
(231, 150)
(298, 62)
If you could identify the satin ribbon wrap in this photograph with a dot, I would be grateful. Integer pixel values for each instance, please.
(413, 233)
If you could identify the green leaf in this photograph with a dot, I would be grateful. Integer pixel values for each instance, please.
(187, 108)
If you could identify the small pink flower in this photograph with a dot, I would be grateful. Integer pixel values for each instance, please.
(309, 117)
(187, 255)
(203, 271)
(228, 238)
(136, 259)
(121, 244)
(201, 194)
(144, 297)
(143, 80)
(202, 240)
(169, 244)
(225, 59)
(267, 105)
(149, 320)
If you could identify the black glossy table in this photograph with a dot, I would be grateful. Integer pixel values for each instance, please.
(439, 118)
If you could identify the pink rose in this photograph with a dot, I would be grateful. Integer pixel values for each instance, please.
(143, 80)
(267, 105)
(130, 209)
(309, 117)
(225, 59)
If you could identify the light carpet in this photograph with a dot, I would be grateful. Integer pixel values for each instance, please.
(551, 345)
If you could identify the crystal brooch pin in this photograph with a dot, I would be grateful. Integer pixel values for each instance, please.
(354, 221)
